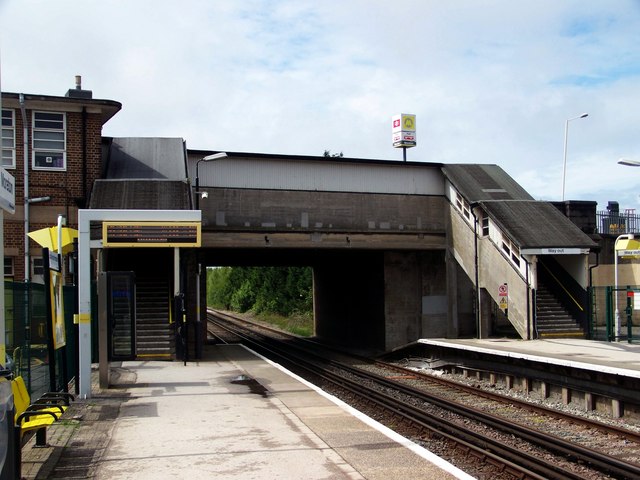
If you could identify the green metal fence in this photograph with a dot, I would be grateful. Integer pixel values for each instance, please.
(27, 335)
(615, 314)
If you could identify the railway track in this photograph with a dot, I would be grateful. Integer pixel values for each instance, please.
(487, 435)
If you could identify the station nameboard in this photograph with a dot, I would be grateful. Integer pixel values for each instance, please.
(403, 130)
(151, 234)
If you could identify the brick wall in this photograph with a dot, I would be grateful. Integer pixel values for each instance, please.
(68, 189)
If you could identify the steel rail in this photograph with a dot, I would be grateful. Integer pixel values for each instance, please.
(527, 466)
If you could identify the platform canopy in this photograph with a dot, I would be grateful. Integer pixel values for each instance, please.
(628, 244)
(627, 247)
(48, 238)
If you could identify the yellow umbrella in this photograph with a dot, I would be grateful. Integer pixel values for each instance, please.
(48, 238)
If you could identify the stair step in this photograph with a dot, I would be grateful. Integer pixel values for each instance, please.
(552, 319)
(155, 336)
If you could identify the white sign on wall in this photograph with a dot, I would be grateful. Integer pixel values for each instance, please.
(7, 191)
(503, 295)
(628, 253)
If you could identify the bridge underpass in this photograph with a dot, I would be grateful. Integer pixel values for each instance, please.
(372, 300)
(374, 233)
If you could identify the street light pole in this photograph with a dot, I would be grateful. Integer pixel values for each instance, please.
(629, 163)
(564, 163)
(208, 158)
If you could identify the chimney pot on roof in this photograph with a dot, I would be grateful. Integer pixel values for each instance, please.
(78, 92)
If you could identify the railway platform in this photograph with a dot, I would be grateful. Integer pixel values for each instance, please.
(619, 358)
(590, 375)
(231, 415)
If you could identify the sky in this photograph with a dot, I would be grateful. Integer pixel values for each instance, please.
(490, 82)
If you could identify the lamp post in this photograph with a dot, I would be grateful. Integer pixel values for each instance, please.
(208, 158)
(564, 163)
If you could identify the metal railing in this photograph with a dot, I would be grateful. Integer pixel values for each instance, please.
(618, 223)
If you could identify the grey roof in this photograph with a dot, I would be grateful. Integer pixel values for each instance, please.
(536, 224)
(147, 158)
(484, 182)
(106, 108)
(140, 195)
(145, 174)
(528, 222)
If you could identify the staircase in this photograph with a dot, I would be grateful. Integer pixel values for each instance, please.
(552, 319)
(154, 333)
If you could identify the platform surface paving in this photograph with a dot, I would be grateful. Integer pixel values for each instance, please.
(232, 415)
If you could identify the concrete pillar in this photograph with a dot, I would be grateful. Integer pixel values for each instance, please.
(566, 395)
(545, 390)
(486, 303)
(434, 300)
(617, 409)
(452, 295)
(589, 402)
(402, 298)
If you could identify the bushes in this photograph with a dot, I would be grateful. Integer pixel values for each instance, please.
(281, 290)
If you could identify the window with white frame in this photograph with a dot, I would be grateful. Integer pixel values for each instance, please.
(49, 141)
(8, 267)
(8, 139)
(463, 206)
(37, 266)
(511, 250)
(485, 225)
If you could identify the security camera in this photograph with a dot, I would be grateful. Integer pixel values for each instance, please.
(204, 194)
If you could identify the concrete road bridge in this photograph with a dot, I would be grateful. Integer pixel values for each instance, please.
(399, 250)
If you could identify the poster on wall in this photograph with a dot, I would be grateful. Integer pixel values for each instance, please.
(503, 295)
(57, 309)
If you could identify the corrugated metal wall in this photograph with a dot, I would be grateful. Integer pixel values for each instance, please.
(328, 176)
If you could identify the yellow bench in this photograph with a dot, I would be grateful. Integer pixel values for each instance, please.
(36, 415)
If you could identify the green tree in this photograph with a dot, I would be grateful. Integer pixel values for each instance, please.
(281, 290)
(327, 153)
(218, 295)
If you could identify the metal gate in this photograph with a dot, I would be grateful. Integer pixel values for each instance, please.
(121, 291)
(615, 313)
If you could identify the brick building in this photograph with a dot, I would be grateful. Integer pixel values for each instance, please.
(60, 138)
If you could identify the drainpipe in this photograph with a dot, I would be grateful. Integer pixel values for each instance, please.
(84, 157)
(25, 150)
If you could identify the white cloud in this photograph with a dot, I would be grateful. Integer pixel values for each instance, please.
(490, 82)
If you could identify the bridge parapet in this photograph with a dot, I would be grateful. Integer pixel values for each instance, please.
(336, 218)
